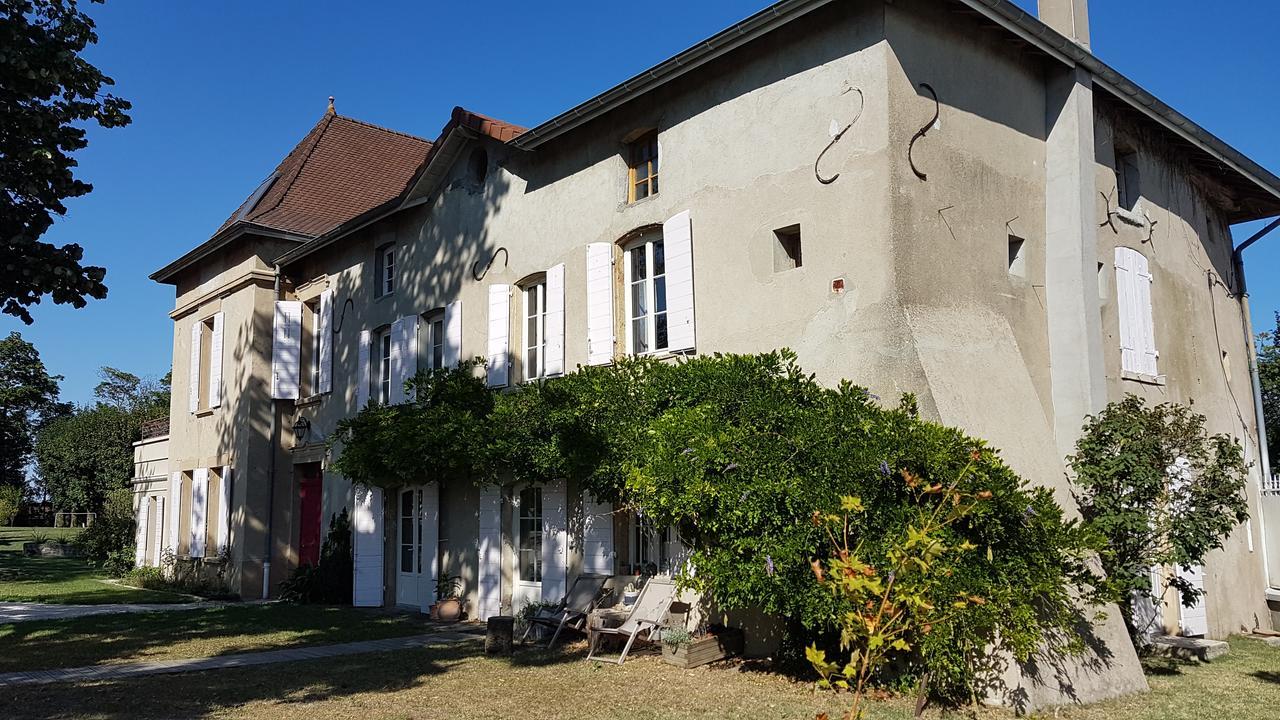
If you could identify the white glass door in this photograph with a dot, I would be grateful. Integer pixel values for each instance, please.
(528, 548)
(410, 555)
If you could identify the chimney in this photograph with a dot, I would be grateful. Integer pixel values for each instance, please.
(1068, 17)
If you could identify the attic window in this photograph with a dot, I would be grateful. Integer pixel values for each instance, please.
(642, 162)
(256, 197)
(786, 249)
(478, 165)
(1128, 188)
(1017, 257)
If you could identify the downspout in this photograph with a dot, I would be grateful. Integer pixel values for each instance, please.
(1237, 259)
(271, 471)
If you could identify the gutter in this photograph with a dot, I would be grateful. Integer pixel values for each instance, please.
(1237, 260)
(217, 242)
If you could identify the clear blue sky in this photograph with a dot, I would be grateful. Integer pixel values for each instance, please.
(222, 90)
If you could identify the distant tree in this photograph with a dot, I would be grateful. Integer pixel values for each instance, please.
(84, 456)
(1269, 376)
(47, 93)
(28, 400)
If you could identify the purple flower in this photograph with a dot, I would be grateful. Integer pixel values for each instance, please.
(884, 469)
(687, 451)
(869, 395)
(768, 565)
(731, 467)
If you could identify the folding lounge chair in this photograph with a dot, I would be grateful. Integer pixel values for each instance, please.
(649, 612)
(572, 610)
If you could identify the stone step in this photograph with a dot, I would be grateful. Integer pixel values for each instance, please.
(1186, 648)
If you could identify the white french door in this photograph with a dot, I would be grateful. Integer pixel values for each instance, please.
(527, 586)
(411, 558)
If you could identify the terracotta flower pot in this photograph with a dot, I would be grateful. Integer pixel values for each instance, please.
(449, 610)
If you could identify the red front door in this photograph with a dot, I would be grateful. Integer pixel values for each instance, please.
(309, 509)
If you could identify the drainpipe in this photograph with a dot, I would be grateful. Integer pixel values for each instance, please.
(1237, 259)
(271, 470)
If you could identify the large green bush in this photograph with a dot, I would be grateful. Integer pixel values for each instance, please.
(109, 539)
(738, 453)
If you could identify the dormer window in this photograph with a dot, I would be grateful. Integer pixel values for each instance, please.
(385, 271)
(643, 164)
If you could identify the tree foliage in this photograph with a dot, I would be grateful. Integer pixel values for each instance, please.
(82, 456)
(28, 401)
(1161, 490)
(109, 541)
(47, 92)
(1269, 378)
(737, 452)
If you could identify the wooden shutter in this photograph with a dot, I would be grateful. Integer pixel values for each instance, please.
(430, 528)
(1147, 336)
(175, 510)
(286, 350)
(452, 333)
(553, 361)
(408, 353)
(677, 239)
(498, 360)
(362, 375)
(366, 530)
(599, 303)
(157, 545)
(555, 541)
(199, 507)
(224, 509)
(1194, 620)
(597, 536)
(1127, 309)
(490, 552)
(324, 326)
(395, 393)
(140, 533)
(215, 362)
(193, 376)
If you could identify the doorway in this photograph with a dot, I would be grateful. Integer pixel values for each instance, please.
(309, 512)
(409, 573)
(527, 534)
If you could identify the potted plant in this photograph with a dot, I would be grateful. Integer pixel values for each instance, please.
(448, 606)
(685, 649)
(629, 594)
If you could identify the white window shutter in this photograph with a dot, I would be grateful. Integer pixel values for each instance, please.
(199, 507)
(599, 303)
(366, 545)
(193, 389)
(430, 529)
(175, 509)
(1126, 306)
(215, 362)
(597, 536)
(1147, 337)
(490, 552)
(555, 541)
(677, 240)
(553, 361)
(362, 379)
(395, 395)
(224, 510)
(324, 326)
(498, 356)
(404, 355)
(1194, 620)
(140, 532)
(157, 545)
(286, 350)
(452, 333)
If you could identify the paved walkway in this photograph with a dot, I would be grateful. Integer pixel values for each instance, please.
(21, 612)
(318, 652)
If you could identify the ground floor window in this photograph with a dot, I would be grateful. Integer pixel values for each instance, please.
(529, 536)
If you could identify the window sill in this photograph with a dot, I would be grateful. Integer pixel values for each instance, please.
(206, 412)
(1157, 380)
(1132, 217)
(637, 203)
(384, 296)
(309, 400)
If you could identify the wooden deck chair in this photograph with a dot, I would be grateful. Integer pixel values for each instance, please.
(572, 610)
(648, 614)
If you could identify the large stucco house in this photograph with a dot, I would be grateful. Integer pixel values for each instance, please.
(947, 197)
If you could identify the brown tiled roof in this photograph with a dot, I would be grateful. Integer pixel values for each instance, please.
(496, 129)
(341, 169)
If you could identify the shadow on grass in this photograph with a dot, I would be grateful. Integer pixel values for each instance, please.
(1269, 676)
(1160, 666)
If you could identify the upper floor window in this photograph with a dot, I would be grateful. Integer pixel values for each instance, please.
(643, 164)
(645, 277)
(385, 271)
(383, 346)
(1128, 188)
(311, 313)
(535, 330)
(434, 337)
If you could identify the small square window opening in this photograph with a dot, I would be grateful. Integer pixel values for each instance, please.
(643, 167)
(786, 249)
(1017, 257)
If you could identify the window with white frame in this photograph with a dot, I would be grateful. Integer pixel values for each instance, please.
(535, 330)
(433, 340)
(645, 276)
(383, 347)
(312, 311)
(385, 270)
(1138, 352)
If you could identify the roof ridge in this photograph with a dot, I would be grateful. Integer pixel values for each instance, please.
(327, 120)
(382, 128)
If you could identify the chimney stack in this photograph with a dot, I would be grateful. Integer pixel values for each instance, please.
(1068, 17)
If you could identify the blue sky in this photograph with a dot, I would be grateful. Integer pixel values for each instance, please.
(222, 90)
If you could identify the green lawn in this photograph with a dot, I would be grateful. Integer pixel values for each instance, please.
(459, 682)
(60, 580)
(140, 637)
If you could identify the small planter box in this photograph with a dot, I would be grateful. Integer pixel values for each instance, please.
(52, 549)
(725, 643)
